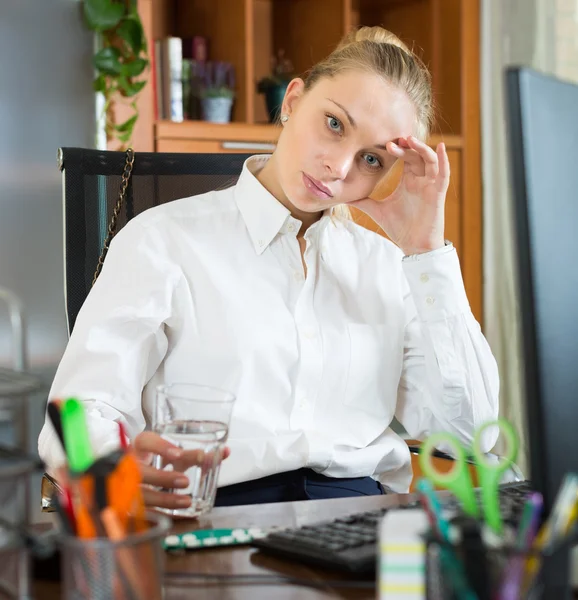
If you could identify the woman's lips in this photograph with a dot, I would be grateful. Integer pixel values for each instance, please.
(316, 187)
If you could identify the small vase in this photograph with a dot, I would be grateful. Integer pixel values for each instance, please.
(218, 109)
(274, 99)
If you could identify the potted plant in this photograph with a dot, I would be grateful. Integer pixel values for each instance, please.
(275, 85)
(121, 60)
(217, 91)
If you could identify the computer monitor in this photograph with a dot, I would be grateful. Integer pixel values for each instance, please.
(543, 144)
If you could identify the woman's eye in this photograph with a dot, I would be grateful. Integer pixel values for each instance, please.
(372, 161)
(334, 124)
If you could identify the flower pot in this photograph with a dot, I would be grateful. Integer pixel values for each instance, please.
(274, 99)
(217, 109)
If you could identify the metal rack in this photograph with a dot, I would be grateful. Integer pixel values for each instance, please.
(16, 384)
(15, 387)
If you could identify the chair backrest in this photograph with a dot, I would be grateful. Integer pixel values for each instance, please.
(91, 185)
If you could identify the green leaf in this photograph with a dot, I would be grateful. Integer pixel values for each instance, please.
(99, 84)
(107, 61)
(124, 137)
(102, 14)
(134, 67)
(130, 30)
(129, 89)
(127, 126)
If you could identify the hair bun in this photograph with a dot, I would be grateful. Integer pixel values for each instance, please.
(376, 34)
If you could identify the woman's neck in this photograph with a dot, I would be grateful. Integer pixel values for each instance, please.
(267, 177)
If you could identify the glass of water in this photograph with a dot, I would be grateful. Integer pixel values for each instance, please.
(196, 419)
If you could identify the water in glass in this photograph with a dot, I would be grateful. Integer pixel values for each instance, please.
(207, 438)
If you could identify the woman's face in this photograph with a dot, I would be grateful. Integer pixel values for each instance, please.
(332, 149)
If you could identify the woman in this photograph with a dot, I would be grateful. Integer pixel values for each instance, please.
(323, 330)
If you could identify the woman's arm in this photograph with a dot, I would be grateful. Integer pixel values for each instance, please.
(450, 379)
(118, 340)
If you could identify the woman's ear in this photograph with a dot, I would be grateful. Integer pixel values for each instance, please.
(294, 91)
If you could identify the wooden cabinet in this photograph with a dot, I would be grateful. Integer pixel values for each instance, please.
(445, 33)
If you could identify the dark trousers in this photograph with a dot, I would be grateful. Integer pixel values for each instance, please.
(303, 484)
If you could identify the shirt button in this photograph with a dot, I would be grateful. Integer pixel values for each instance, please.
(309, 334)
(297, 275)
(261, 243)
(430, 300)
(424, 277)
(291, 228)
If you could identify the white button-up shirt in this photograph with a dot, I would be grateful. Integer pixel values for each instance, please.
(211, 290)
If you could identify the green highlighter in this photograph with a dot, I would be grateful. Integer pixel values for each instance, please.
(76, 439)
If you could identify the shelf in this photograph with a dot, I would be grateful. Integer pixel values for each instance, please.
(14, 383)
(245, 132)
(202, 130)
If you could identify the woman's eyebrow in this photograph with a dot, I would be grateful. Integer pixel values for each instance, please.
(349, 117)
(353, 124)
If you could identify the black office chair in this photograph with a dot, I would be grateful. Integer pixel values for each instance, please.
(91, 184)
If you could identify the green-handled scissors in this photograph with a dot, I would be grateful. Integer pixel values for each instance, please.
(458, 479)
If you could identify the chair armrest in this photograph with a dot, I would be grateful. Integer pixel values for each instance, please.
(444, 460)
(49, 488)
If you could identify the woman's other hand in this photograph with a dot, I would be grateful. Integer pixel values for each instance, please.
(413, 215)
(146, 445)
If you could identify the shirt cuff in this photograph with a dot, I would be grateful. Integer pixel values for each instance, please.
(436, 283)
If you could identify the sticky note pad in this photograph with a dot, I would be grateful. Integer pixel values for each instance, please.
(402, 555)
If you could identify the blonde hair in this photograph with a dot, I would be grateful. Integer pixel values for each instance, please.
(377, 50)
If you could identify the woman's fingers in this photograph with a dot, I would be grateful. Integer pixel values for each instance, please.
(428, 156)
(163, 479)
(417, 154)
(444, 162)
(165, 499)
(148, 443)
(174, 477)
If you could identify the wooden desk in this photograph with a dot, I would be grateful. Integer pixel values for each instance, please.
(246, 560)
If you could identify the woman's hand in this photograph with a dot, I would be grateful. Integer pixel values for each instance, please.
(147, 444)
(413, 215)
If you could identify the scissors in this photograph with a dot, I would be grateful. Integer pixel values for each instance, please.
(458, 480)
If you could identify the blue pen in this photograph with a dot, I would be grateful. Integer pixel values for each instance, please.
(514, 571)
(451, 565)
(426, 489)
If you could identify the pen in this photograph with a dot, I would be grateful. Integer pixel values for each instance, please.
(76, 438)
(53, 410)
(550, 530)
(529, 521)
(122, 436)
(429, 499)
(116, 533)
(474, 555)
(451, 565)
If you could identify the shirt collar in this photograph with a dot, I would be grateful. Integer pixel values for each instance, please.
(263, 214)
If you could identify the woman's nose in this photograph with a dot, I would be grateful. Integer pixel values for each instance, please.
(338, 164)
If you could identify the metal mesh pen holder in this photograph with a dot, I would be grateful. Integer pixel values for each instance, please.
(102, 569)
(490, 571)
(15, 573)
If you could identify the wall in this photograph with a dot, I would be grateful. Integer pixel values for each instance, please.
(46, 101)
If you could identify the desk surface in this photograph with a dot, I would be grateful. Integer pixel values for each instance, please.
(246, 560)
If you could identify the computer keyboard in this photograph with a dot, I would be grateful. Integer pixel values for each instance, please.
(350, 543)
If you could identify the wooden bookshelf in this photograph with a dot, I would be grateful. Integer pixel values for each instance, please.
(445, 33)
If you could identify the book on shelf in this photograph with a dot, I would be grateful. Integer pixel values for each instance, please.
(175, 65)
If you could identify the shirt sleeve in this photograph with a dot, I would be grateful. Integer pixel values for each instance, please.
(118, 340)
(450, 378)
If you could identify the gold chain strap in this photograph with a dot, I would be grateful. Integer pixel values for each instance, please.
(116, 212)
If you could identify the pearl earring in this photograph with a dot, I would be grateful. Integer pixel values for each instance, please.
(284, 118)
